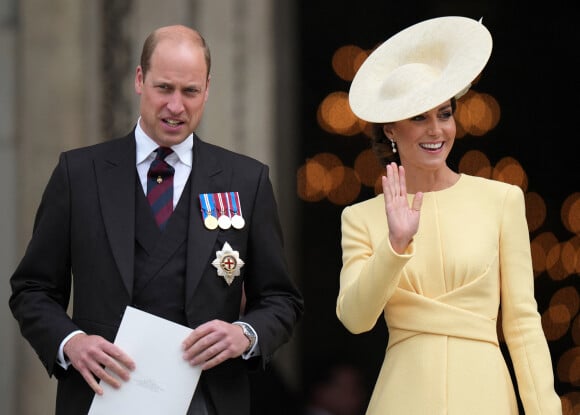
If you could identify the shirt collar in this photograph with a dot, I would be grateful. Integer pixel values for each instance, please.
(146, 146)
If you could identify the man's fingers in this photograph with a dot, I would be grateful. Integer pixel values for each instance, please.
(215, 360)
(92, 381)
(117, 360)
(98, 359)
(119, 369)
(97, 372)
(213, 343)
(203, 349)
(107, 377)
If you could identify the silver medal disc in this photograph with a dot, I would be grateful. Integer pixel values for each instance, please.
(224, 222)
(238, 222)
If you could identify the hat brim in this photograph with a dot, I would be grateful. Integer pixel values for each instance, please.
(419, 68)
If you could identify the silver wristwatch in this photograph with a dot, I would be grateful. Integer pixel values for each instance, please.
(248, 332)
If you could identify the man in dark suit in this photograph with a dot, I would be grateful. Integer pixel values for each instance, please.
(216, 240)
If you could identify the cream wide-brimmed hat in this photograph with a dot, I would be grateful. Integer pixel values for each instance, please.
(419, 68)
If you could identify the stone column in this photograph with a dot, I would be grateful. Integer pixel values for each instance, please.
(47, 117)
(9, 336)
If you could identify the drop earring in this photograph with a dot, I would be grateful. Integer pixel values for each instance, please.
(393, 145)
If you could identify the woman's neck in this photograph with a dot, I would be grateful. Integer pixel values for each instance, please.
(419, 180)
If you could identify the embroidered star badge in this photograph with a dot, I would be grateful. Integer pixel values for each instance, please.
(228, 263)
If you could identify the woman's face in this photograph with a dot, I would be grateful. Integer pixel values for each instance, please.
(424, 141)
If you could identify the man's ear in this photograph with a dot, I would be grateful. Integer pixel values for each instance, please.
(139, 79)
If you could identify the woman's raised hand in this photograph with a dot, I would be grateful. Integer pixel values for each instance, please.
(403, 220)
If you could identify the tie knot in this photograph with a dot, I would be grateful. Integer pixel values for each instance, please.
(163, 152)
(159, 167)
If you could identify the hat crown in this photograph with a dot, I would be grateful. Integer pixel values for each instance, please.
(410, 75)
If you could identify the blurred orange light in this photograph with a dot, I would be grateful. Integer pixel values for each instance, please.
(556, 321)
(540, 247)
(346, 61)
(554, 265)
(476, 163)
(367, 167)
(535, 211)
(570, 213)
(310, 179)
(335, 115)
(347, 190)
(509, 170)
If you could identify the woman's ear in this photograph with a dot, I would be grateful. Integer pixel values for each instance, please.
(388, 130)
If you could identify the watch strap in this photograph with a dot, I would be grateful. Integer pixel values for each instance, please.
(249, 332)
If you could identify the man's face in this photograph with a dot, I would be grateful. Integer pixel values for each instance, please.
(173, 92)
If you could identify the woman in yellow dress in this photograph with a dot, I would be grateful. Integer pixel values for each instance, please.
(438, 252)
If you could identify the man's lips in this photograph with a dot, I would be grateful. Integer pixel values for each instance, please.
(172, 123)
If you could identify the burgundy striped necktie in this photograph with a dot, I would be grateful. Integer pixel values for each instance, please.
(160, 187)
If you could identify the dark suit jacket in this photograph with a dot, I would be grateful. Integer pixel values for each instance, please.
(85, 226)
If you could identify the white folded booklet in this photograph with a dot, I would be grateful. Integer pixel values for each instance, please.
(162, 382)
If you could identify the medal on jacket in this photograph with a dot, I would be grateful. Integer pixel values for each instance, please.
(228, 263)
(238, 221)
(208, 211)
(223, 213)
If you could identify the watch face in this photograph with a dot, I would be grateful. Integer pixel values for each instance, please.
(248, 333)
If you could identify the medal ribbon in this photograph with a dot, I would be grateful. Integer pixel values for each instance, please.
(236, 207)
(222, 211)
(229, 210)
(207, 205)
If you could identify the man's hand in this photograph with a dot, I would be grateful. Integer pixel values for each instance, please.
(213, 343)
(91, 355)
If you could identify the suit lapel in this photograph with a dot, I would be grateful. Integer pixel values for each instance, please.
(116, 176)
